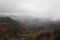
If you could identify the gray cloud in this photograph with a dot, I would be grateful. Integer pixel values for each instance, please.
(40, 8)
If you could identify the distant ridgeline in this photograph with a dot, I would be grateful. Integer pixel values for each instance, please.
(5, 19)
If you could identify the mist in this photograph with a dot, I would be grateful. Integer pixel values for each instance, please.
(36, 8)
(29, 19)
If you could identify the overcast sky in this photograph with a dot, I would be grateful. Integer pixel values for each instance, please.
(40, 8)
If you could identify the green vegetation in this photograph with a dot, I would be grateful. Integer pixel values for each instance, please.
(5, 19)
(57, 34)
(17, 31)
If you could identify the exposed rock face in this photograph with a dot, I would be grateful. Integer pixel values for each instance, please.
(10, 29)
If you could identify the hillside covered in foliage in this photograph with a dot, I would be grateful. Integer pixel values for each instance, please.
(14, 30)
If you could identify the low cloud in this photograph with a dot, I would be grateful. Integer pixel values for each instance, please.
(40, 8)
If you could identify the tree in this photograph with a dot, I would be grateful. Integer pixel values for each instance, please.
(43, 36)
(57, 34)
